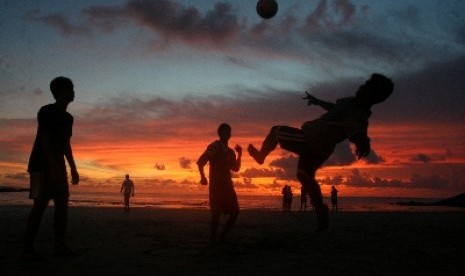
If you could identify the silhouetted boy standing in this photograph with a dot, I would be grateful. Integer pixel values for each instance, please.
(223, 198)
(47, 168)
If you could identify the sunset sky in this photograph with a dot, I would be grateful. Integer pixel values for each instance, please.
(154, 79)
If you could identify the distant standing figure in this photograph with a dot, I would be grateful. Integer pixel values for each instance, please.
(315, 141)
(303, 198)
(334, 198)
(47, 169)
(127, 189)
(222, 196)
(287, 198)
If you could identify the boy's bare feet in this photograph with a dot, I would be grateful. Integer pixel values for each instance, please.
(322, 215)
(31, 256)
(65, 252)
(256, 154)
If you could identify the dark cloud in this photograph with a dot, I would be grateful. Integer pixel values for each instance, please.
(60, 22)
(335, 180)
(429, 158)
(247, 183)
(185, 163)
(433, 94)
(374, 158)
(417, 181)
(358, 179)
(337, 31)
(421, 158)
(171, 20)
(286, 167)
(341, 156)
(433, 181)
(159, 167)
(257, 173)
(330, 16)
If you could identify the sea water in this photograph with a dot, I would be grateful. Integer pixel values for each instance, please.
(199, 200)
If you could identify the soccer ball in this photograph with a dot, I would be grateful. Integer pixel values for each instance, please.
(267, 8)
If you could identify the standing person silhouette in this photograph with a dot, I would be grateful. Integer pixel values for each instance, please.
(315, 141)
(128, 188)
(334, 198)
(47, 169)
(287, 198)
(222, 196)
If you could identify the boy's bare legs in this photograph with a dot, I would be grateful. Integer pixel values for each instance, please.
(269, 144)
(321, 209)
(306, 174)
(32, 228)
(60, 221)
(214, 223)
(229, 225)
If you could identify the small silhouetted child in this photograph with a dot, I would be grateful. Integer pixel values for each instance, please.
(315, 141)
(287, 198)
(334, 198)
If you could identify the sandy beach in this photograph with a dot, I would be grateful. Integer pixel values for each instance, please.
(157, 241)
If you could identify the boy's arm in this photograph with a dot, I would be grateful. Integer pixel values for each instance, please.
(72, 164)
(314, 100)
(362, 144)
(201, 164)
(237, 165)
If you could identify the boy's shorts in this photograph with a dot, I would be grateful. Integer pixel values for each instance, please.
(313, 150)
(42, 187)
(291, 139)
(223, 200)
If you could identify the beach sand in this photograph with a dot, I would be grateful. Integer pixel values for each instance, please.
(157, 241)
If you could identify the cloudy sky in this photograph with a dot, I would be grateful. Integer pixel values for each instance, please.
(154, 79)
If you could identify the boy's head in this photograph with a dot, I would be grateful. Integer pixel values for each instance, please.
(375, 90)
(224, 131)
(62, 89)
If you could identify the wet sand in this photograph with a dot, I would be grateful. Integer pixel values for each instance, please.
(157, 241)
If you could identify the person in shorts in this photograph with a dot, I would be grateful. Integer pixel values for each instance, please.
(222, 196)
(47, 169)
(315, 141)
(127, 189)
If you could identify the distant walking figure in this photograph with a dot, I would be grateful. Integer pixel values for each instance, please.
(47, 169)
(334, 198)
(127, 189)
(222, 196)
(287, 198)
(315, 141)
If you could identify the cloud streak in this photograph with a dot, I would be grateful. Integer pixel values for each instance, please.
(337, 31)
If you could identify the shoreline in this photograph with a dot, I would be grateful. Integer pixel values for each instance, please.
(175, 242)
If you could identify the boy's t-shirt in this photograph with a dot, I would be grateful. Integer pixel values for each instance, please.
(222, 196)
(345, 120)
(58, 125)
(221, 159)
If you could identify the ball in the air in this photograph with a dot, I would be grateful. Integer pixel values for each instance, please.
(267, 8)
